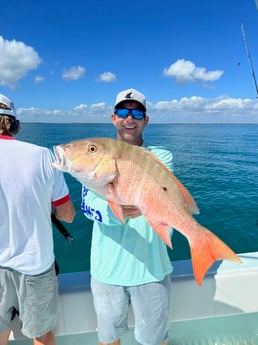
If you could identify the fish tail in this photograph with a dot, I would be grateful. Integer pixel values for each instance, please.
(206, 251)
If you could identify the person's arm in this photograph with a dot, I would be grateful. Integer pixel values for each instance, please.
(95, 208)
(62, 204)
(65, 211)
(130, 211)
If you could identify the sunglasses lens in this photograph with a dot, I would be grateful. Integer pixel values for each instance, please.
(122, 112)
(136, 114)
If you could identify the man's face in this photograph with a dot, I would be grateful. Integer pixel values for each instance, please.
(129, 129)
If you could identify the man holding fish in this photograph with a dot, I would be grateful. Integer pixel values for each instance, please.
(134, 199)
(129, 261)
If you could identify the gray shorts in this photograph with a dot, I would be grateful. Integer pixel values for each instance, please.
(33, 297)
(150, 303)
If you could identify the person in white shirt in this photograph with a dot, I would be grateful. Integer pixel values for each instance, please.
(30, 189)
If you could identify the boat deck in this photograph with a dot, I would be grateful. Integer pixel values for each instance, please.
(223, 310)
(228, 330)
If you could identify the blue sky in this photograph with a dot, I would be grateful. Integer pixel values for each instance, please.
(65, 61)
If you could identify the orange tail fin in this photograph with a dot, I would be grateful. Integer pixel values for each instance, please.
(206, 251)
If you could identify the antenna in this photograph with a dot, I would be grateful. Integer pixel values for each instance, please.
(249, 59)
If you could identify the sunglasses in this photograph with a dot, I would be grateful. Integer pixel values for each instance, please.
(136, 113)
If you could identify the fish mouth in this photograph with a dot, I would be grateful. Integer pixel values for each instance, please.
(62, 162)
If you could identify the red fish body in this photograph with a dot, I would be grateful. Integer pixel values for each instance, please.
(126, 174)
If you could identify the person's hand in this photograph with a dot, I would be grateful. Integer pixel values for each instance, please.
(130, 211)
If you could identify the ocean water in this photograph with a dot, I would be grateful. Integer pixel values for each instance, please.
(218, 164)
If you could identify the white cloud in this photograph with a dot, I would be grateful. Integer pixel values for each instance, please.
(185, 110)
(98, 106)
(204, 110)
(39, 79)
(73, 73)
(107, 77)
(185, 71)
(80, 107)
(17, 59)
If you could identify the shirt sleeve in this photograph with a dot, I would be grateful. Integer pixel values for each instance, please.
(164, 155)
(60, 193)
(95, 208)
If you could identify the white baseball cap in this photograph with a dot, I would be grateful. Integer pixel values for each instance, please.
(130, 95)
(9, 103)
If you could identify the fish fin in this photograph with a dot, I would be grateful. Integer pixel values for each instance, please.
(115, 207)
(163, 230)
(190, 203)
(106, 169)
(117, 210)
(206, 251)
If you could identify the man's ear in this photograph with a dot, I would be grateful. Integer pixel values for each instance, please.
(113, 117)
(146, 120)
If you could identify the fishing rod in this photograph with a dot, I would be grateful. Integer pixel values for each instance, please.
(61, 228)
(64, 232)
(249, 59)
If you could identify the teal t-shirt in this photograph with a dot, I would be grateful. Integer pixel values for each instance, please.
(125, 254)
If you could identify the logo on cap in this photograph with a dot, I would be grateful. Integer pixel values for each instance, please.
(129, 95)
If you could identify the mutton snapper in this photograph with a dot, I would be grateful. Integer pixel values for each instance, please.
(127, 174)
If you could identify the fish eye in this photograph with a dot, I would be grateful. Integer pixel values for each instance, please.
(92, 148)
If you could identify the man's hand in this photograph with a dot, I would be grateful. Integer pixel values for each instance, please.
(130, 211)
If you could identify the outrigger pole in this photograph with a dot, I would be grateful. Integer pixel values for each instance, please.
(249, 59)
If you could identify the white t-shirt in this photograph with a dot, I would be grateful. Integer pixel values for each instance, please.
(29, 186)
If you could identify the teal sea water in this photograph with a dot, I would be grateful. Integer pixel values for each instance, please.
(217, 163)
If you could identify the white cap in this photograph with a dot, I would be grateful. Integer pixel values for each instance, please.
(130, 95)
(9, 103)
